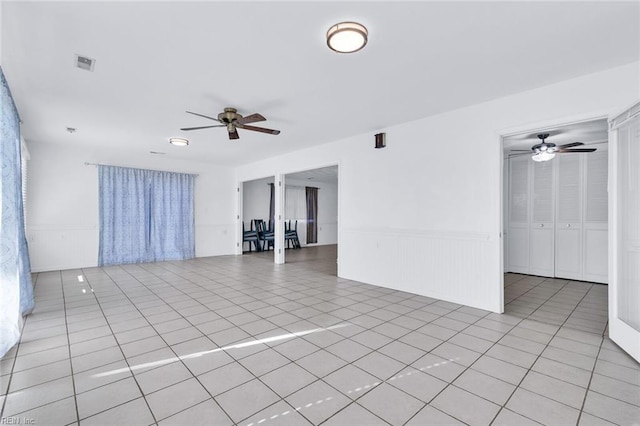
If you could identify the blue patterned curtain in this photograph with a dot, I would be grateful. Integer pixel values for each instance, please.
(145, 216)
(123, 201)
(172, 225)
(16, 288)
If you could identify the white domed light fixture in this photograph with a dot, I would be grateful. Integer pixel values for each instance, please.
(179, 141)
(347, 37)
(543, 156)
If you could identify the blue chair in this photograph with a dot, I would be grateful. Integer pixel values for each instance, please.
(291, 234)
(265, 235)
(251, 236)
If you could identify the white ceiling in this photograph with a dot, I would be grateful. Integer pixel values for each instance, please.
(324, 174)
(156, 60)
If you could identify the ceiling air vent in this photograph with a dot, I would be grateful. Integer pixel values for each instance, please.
(85, 63)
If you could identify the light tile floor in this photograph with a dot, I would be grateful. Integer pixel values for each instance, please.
(237, 339)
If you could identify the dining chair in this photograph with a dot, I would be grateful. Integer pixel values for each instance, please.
(291, 234)
(265, 235)
(250, 236)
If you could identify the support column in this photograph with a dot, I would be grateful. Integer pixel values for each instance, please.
(239, 219)
(278, 250)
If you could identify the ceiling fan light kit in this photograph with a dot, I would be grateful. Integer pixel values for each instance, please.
(543, 156)
(179, 141)
(347, 37)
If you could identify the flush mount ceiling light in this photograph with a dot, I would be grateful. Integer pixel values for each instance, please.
(347, 37)
(178, 141)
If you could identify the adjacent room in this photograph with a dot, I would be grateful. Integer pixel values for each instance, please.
(309, 212)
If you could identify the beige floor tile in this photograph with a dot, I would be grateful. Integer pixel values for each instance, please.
(465, 406)
(165, 403)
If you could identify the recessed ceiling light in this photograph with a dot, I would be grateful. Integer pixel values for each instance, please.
(347, 37)
(178, 141)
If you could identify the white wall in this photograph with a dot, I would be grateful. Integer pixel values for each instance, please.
(62, 205)
(256, 196)
(255, 205)
(327, 212)
(423, 215)
(0, 32)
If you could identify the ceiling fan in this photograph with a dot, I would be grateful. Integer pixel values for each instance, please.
(545, 151)
(233, 121)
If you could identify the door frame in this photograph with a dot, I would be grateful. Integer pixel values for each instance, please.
(339, 201)
(620, 332)
(240, 211)
(280, 176)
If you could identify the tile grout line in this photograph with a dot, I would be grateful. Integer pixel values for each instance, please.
(451, 382)
(15, 359)
(466, 368)
(48, 381)
(343, 338)
(586, 394)
(384, 321)
(66, 322)
(88, 281)
(311, 296)
(540, 355)
(195, 376)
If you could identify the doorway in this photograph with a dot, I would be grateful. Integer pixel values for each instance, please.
(257, 205)
(311, 211)
(556, 211)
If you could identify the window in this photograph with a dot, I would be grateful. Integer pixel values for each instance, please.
(295, 203)
(24, 158)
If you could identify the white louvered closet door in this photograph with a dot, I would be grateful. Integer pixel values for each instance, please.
(542, 235)
(569, 217)
(518, 232)
(595, 225)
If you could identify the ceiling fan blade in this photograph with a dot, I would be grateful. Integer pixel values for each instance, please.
(570, 145)
(576, 150)
(253, 118)
(234, 135)
(201, 115)
(202, 127)
(259, 129)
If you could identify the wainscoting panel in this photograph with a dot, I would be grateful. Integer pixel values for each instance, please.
(54, 248)
(215, 239)
(454, 266)
(327, 233)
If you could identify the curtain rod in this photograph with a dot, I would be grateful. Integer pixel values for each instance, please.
(86, 163)
(297, 186)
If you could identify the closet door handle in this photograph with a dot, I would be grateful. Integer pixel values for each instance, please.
(568, 225)
(542, 225)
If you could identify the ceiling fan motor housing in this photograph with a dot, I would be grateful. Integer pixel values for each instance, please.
(229, 115)
(544, 147)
